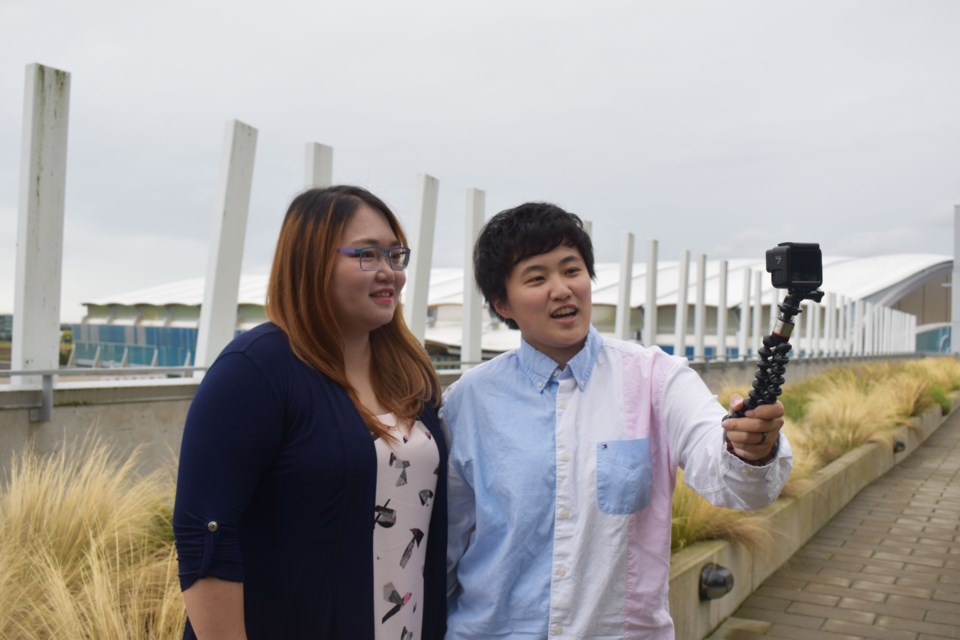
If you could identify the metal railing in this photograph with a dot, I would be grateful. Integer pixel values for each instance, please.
(44, 411)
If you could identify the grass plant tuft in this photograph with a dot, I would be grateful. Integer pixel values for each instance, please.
(825, 417)
(85, 549)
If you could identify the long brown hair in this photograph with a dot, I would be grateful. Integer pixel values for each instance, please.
(298, 301)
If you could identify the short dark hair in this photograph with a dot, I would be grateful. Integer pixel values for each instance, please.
(518, 233)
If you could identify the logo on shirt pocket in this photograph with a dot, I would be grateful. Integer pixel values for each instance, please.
(624, 475)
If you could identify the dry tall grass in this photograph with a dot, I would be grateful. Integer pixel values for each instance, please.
(826, 416)
(86, 549)
(695, 519)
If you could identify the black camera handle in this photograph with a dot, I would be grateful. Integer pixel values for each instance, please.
(772, 364)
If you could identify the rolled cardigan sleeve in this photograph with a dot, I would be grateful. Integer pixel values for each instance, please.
(233, 430)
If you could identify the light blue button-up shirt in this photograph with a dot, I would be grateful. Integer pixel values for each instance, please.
(560, 489)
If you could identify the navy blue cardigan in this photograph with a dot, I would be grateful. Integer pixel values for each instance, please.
(277, 489)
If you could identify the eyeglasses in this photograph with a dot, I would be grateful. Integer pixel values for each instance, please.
(371, 257)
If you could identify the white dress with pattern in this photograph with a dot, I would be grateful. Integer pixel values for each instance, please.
(407, 471)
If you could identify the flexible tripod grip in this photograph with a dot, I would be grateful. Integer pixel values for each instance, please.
(769, 377)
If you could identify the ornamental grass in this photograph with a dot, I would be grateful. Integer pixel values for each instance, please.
(86, 549)
(826, 416)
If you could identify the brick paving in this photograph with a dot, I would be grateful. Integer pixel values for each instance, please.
(886, 567)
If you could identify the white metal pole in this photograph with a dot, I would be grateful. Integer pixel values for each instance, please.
(319, 166)
(43, 175)
(415, 299)
(842, 328)
(622, 323)
(888, 329)
(650, 308)
(700, 310)
(955, 284)
(680, 325)
(860, 329)
(897, 343)
(722, 312)
(807, 328)
(816, 333)
(588, 226)
(774, 309)
(799, 326)
(218, 313)
(831, 324)
(743, 339)
(913, 334)
(471, 350)
(757, 311)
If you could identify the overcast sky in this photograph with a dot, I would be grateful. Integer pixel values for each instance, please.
(722, 127)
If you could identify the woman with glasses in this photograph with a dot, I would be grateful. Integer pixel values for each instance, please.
(311, 495)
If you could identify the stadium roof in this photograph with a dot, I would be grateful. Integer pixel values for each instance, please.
(880, 279)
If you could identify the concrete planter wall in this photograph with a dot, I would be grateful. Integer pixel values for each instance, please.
(793, 521)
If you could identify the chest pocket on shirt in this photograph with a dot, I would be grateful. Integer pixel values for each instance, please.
(624, 475)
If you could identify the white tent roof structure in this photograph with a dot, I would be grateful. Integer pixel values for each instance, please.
(881, 280)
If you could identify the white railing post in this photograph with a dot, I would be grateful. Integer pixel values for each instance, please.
(816, 333)
(831, 324)
(743, 337)
(799, 322)
(650, 308)
(318, 171)
(221, 289)
(894, 331)
(700, 311)
(471, 349)
(39, 265)
(722, 312)
(774, 308)
(680, 324)
(955, 283)
(881, 328)
(842, 326)
(622, 322)
(859, 328)
(868, 325)
(888, 329)
(805, 329)
(415, 299)
(757, 311)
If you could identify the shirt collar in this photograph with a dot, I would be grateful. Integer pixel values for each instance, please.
(540, 368)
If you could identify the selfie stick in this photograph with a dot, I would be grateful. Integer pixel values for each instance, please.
(796, 267)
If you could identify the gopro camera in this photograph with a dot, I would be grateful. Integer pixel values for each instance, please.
(797, 266)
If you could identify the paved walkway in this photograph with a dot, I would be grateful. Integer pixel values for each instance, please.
(887, 566)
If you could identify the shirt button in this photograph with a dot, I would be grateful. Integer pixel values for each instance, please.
(212, 526)
(557, 629)
(563, 405)
(565, 457)
(561, 572)
(555, 373)
(564, 515)
(539, 385)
